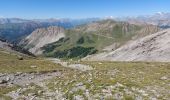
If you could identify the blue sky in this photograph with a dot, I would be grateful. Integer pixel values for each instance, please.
(31, 9)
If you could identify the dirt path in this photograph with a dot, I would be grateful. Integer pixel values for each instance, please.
(80, 67)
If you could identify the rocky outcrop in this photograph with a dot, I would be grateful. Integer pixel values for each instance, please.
(154, 47)
(41, 37)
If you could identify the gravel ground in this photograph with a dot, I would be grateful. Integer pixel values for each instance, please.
(22, 79)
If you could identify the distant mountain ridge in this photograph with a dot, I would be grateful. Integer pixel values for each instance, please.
(50, 20)
(160, 19)
(13, 20)
(14, 29)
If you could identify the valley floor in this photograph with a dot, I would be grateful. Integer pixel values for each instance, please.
(52, 79)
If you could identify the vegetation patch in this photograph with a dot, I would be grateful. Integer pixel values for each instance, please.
(75, 52)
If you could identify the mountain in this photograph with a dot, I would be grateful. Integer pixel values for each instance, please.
(13, 20)
(91, 38)
(15, 29)
(154, 47)
(14, 32)
(41, 37)
(160, 19)
(76, 22)
(5, 46)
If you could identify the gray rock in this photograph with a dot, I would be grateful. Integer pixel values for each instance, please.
(40, 92)
(18, 73)
(79, 84)
(1, 74)
(3, 81)
(164, 78)
(118, 96)
(20, 58)
(33, 66)
(152, 98)
(31, 94)
(138, 98)
(8, 79)
(78, 97)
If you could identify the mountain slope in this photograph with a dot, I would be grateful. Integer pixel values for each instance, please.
(12, 48)
(154, 47)
(92, 38)
(41, 37)
(5, 45)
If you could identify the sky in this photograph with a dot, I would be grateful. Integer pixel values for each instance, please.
(36, 9)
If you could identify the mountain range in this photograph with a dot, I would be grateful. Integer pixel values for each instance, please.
(83, 40)
(160, 19)
(15, 29)
(110, 39)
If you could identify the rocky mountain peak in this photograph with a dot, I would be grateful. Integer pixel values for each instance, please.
(42, 36)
